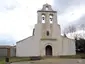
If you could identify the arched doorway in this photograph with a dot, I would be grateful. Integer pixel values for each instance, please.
(48, 50)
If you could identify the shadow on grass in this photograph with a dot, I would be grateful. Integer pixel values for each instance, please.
(77, 56)
(18, 59)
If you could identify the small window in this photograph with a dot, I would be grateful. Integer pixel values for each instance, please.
(47, 33)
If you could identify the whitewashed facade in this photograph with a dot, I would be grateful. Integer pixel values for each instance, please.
(46, 39)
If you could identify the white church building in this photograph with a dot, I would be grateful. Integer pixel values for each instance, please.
(46, 39)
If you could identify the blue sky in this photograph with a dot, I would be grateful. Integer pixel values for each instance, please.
(18, 17)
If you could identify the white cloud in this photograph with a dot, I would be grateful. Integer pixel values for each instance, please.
(72, 13)
(7, 5)
(19, 21)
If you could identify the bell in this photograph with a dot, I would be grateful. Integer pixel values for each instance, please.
(51, 19)
(43, 18)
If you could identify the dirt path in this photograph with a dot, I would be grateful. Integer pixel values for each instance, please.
(54, 61)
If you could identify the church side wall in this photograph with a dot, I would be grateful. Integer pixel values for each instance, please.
(72, 47)
(38, 31)
(68, 47)
(27, 48)
(65, 46)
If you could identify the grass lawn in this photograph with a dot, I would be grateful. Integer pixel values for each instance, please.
(14, 59)
(18, 59)
(2, 61)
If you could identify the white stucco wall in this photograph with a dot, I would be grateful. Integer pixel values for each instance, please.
(27, 47)
(38, 31)
(56, 32)
(72, 50)
(68, 46)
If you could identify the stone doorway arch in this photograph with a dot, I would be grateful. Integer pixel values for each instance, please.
(48, 50)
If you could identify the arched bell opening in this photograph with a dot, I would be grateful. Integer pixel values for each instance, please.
(43, 18)
(51, 18)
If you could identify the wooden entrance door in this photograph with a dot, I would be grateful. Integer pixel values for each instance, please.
(48, 50)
